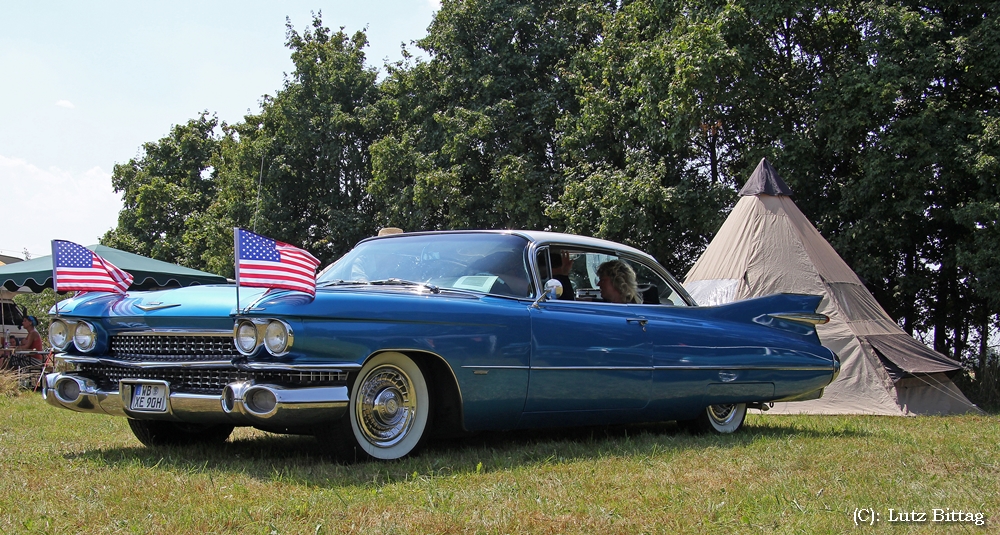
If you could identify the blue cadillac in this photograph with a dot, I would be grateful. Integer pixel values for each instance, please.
(425, 334)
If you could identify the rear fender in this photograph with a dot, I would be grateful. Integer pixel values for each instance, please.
(794, 313)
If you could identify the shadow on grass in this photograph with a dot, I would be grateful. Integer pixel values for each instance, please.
(304, 460)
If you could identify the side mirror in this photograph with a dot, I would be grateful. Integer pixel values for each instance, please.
(553, 289)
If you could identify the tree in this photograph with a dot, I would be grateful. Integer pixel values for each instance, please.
(635, 152)
(298, 170)
(473, 137)
(169, 183)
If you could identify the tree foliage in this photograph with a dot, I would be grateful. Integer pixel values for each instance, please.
(634, 120)
(473, 141)
(162, 189)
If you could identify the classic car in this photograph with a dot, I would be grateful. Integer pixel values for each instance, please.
(434, 333)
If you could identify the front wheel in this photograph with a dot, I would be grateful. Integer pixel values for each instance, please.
(154, 433)
(390, 407)
(719, 419)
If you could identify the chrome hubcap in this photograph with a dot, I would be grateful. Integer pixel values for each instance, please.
(386, 406)
(722, 414)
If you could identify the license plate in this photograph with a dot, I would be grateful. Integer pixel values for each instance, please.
(149, 397)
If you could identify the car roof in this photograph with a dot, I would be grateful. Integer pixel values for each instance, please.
(539, 237)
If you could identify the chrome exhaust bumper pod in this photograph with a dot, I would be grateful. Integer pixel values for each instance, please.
(80, 394)
(253, 404)
(241, 403)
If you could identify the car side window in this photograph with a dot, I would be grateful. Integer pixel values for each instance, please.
(653, 288)
(584, 273)
(577, 269)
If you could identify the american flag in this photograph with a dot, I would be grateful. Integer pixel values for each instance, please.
(266, 263)
(76, 268)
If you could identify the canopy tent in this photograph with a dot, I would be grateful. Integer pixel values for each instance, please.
(36, 274)
(767, 246)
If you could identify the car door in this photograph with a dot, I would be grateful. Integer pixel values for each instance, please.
(588, 355)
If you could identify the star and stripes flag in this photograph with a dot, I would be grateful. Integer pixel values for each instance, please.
(76, 268)
(266, 263)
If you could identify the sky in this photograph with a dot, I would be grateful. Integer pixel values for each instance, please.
(84, 84)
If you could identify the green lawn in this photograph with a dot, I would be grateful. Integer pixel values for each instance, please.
(64, 472)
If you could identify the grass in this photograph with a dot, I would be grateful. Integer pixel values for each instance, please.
(71, 473)
(8, 384)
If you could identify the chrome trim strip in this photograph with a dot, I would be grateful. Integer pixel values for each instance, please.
(802, 317)
(73, 359)
(600, 368)
(177, 332)
(647, 368)
(300, 367)
(749, 367)
(499, 367)
(255, 366)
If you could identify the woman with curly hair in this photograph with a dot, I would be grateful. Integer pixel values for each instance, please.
(616, 279)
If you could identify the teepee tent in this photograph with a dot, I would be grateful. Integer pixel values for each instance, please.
(767, 246)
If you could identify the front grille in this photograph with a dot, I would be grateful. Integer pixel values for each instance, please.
(207, 380)
(170, 347)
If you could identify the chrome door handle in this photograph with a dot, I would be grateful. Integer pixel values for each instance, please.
(640, 321)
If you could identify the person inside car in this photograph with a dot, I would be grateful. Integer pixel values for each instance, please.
(562, 264)
(616, 279)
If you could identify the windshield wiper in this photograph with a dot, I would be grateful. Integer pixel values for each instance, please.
(403, 282)
(339, 282)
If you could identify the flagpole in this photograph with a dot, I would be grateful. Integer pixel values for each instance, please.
(236, 260)
(55, 283)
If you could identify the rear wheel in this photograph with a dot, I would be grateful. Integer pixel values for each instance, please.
(720, 419)
(159, 433)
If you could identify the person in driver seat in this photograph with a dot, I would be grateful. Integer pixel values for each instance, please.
(616, 279)
(562, 264)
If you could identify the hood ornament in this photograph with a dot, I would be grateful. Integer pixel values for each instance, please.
(157, 305)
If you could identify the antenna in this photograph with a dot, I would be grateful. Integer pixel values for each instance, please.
(260, 184)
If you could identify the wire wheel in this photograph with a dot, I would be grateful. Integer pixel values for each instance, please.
(722, 414)
(386, 406)
(727, 418)
(390, 406)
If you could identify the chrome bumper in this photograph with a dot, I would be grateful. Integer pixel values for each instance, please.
(241, 403)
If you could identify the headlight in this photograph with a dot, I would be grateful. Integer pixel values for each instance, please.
(245, 337)
(84, 337)
(59, 334)
(277, 338)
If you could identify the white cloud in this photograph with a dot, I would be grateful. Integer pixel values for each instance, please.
(65, 104)
(435, 4)
(45, 204)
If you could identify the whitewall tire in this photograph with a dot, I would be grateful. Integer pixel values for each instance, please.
(390, 406)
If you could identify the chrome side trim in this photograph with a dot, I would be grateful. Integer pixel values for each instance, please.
(267, 366)
(648, 368)
(595, 368)
(749, 367)
(802, 317)
(498, 367)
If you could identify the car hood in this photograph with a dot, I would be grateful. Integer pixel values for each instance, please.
(209, 301)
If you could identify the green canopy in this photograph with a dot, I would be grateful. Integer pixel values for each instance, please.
(36, 273)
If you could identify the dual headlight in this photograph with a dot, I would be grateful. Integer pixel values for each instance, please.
(275, 335)
(80, 333)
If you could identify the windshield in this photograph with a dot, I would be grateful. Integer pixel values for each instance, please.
(489, 263)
